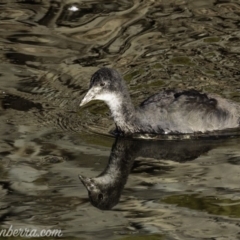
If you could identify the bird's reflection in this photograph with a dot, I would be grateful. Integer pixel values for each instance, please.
(105, 190)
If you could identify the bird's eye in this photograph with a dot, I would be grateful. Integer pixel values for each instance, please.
(102, 84)
(100, 196)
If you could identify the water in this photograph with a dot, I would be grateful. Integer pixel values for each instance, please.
(176, 189)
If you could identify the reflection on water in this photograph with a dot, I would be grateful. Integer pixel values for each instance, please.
(48, 51)
(105, 190)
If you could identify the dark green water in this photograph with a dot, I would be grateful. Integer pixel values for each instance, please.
(174, 189)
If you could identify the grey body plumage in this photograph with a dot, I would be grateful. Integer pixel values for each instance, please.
(169, 111)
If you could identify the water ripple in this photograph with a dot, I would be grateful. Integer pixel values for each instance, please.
(48, 52)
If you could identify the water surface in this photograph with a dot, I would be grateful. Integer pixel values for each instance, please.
(49, 50)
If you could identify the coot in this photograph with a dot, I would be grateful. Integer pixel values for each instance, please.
(169, 111)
